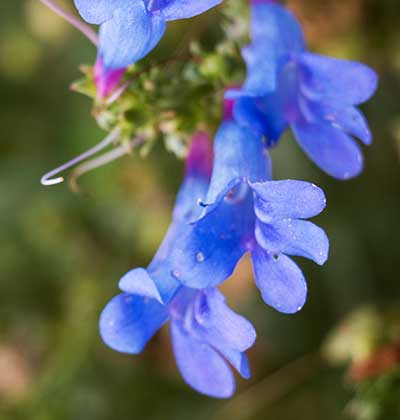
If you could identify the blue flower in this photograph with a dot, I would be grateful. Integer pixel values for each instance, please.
(315, 96)
(247, 212)
(130, 29)
(205, 332)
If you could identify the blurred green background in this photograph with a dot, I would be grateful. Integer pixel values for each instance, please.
(61, 254)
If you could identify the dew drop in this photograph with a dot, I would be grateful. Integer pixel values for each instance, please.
(200, 257)
(176, 273)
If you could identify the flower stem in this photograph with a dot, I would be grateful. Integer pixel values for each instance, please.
(73, 20)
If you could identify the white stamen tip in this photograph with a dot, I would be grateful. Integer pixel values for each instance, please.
(49, 182)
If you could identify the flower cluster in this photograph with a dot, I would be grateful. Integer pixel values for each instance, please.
(229, 204)
(205, 332)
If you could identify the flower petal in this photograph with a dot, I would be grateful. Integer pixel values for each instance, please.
(330, 149)
(346, 118)
(274, 26)
(239, 156)
(197, 176)
(263, 115)
(275, 33)
(207, 252)
(262, 66)
(237, 359)
(287, 199)
(191, 194)
(280, 281)
(182, 9)
(130, 35)
(138, 282)
(128, 322)
(201, 366)
(294, 237)
(344, 81)
(221, 326)
(158, 27)
(99, 11)
(229, 333)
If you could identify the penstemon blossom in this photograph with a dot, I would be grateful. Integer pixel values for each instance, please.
(205, 333)
(247, 212)
(316, 96)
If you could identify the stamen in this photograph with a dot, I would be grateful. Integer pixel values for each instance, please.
(104, 159)
(48, 179)
(73, 20)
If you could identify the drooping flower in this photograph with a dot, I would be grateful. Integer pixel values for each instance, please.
(247, 212)
(130, 29)
(314, 95)
(205, 332)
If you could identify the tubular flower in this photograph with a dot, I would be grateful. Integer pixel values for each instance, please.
(314, 95)
(247, 212)
(130, 29)
(205, 333)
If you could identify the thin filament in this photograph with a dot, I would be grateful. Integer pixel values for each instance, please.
(73, 20)
(48, 179)
(102, 160)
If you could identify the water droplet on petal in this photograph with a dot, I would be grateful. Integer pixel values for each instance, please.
(200, 257)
